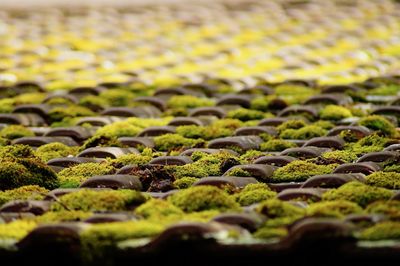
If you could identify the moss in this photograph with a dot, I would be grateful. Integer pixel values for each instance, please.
(15, 173)
(72, 176)
(16, 151)
(31, 192)
(239, 172)
(254, 193)
(63, 216)
(324, 124)
(93, 102)
(335, 208)
(380, 124)
(169, 142)
(6, 105)
(270, 233)
(185, 182)
(204, 132)
(298, 171)
(250, 155)
(389, 180)
(381, 231)
(291, 124)
(244, 114)
(148, 122)
(389, 208)
(341, 155)
(158, 209)
(66, 122)
(15, 132)
(385, 90)
(188, 101)
(335, 113)
(202, 198)
(279, 213)
(131, 158)
(119, 129)
(30, 98)
(306, 132)
(370, 143)
(71, 111)
(100, 240)
(101, 140)
(117, 97)
(274, 145)
(99, 200)
(262, 103)
(16, 230)
(54, 150)
(359, 193)
(228, 123)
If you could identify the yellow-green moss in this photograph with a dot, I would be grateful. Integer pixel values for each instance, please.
(262, 103)
(71, 111)
(341, 155)
(254, 193)
(274, 208)
(6, 105)
(294, 94)
(54, 150)
(228, 123)
(119, 129)
(298, 171)
(244, 114)
(380, 124)
(101, 140)
(388, 89)
(276, 145)
(389, 208)
(99, 200)
(381, 231)
(30, 98)
(335, 112)
(202, 198)
(15, 132)
(250, 155)
(359, 193)
(16, 151)
(93, 101)
(389, 180)
(63, 216)
(185, 182)
(270, 233)
(31, 192)
(324, 124)
(291, 124)
(131, 158)
(371, 143)
(72, 176)
(169, 142)
(158, 209)
(204, 132)
(335, 208)
(16, 230)
(306, 132)
(117, 97)
(188, 101)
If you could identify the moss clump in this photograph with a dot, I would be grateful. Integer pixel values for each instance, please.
(228, 123)
(340, 155)
(298, 171)
(270, 233)
(274, 145)
(250, 155)
(188, 101)
(71, 111)
(63, 216)
(381, 231)
(389, 208)
(204, 132)
(334, 112)
(93, 102)
(132, 158)
(324, 124)
(32, 192)
(99, 200)
(101, 140)
(184, 182)
(15, 173)
(158, 209)
(117, 97)
(254, 193)
(388, 89)
(16, 230)
(291, 124)
(294, 94)
(72, 176)
(371, 143)
(201, 198)
(274, 208)
(359, 193)
(168, 142)
(380, 124)
(15, 132)
(389, 180)
(306, 132)
(54, 150)
(335, 208)
(16, 151)
(239, 172)
(244, 114)
(119, 129)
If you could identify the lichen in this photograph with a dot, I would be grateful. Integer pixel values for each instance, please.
(381, 231)
(200, 198)
(168, 142)
(72, 176)
(188, 101)
(99, 200)
(54, 150)
(359, 193)
(15, 132)
(274, 145)
(298, 171)
(380, 124)
(335, 113)
(254, 193)
(31, 192)
(335, 208)
(390, 180)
